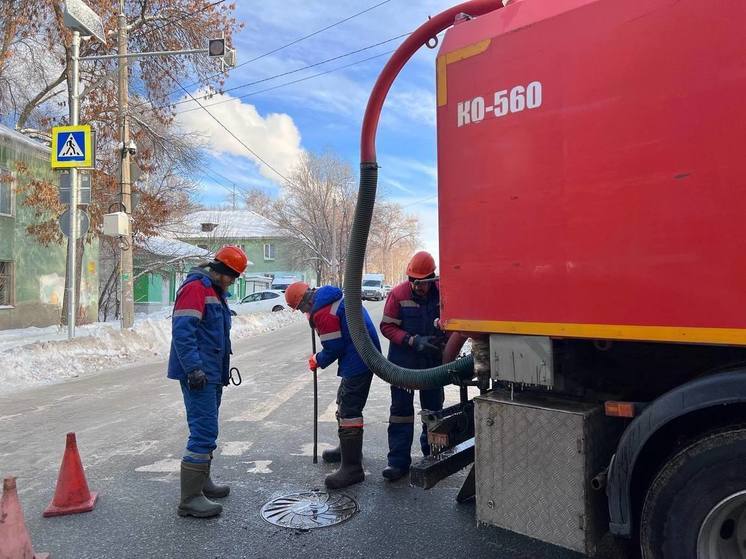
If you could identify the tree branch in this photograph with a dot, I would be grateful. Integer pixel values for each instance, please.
(33, 103)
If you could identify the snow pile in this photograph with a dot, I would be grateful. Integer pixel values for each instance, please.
(33, 356)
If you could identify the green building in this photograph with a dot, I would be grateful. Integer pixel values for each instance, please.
(272, 251)
(32, 276)
(160, 266)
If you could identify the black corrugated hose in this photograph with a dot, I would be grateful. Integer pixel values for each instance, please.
(419, 379)
(398, 376)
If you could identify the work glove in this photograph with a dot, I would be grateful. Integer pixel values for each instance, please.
(197, 379)
(423, 343)
(312, 364)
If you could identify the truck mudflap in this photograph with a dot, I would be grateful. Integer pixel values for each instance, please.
(716, 390)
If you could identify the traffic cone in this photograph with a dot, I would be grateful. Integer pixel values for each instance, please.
(15, 542)
(72, 495)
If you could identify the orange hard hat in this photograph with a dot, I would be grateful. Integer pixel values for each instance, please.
(421, 265)
(233, 257)
(294, 294)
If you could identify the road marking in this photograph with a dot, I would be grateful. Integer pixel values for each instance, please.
(162, 466)
(266, 408)
(234, 448)
(260, 467)
(307, 449)
(330, 414)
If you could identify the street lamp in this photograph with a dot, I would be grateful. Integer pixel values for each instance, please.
(83, 18)
(79, 18)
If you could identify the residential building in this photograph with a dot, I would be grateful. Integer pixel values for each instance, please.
(160, 267)
(32, 276)
(272, 251)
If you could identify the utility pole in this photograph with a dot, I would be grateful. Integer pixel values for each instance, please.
(72, 239)
(128, 299)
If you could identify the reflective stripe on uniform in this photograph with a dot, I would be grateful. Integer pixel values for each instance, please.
(330, 336)
(212, 300)
(187, 312)
(390, 320)
(350, 421)
(401, 419)
(335, 307)
(196, 456)
(408, 303)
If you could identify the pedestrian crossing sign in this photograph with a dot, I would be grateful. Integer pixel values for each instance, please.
(72, 146)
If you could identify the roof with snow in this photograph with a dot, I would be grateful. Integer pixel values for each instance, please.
(170, 248)
(229, 224)
(7, 133)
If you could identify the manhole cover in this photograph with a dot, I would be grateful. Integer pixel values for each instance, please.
(309, 509)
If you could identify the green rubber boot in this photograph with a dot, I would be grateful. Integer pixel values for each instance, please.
(193, 501)
(351, 470)
(213, 490)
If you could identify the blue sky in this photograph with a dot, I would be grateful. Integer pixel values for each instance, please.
(325, 112)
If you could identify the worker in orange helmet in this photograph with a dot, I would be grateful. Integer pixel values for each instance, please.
(326, 311)
(200, 361)
(409, 322)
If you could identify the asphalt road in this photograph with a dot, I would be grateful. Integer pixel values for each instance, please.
(131, 431)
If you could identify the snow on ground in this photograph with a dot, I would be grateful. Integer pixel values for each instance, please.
(35, 356)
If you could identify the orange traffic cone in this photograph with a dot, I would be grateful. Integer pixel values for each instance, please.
(72, 495)
(15, 542)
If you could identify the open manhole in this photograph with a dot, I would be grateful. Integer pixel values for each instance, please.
(309, 509)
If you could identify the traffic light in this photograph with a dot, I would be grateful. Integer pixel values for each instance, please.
(216, 47)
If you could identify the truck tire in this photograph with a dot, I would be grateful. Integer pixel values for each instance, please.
(696, 505)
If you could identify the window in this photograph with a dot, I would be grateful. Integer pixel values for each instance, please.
(6, 192)
(269, 251)
(208, 227)
(253, 298)
(269, 295)
(6, 284)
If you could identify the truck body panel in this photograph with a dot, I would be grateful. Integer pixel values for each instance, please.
(612, 206)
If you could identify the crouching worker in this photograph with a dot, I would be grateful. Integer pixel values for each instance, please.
(326, 310)
(200, 361)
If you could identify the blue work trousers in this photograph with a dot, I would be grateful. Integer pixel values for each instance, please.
(202, 417)
(401, 423)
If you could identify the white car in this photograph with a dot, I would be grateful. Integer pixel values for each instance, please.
(261, 301)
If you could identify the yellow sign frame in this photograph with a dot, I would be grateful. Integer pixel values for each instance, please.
(86, 163)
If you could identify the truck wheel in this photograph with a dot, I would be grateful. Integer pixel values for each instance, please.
(696, 506)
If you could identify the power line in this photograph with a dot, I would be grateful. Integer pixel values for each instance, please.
(296, 41)
(286, 84)
(289, 72)
(224, 127)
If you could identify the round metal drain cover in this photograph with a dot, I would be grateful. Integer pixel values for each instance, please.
(309, 509)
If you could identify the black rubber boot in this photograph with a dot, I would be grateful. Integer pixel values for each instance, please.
(392, 474)
(332, 455)
(351, 449)
(193, 501)
(211, 489)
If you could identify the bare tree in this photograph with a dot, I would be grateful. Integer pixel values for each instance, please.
(394, 235)
(317, 206)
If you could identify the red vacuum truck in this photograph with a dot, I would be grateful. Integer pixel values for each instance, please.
(592, 214)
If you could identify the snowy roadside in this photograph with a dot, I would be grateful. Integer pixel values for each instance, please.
(37, 356)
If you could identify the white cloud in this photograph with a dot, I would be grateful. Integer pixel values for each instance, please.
(274, 137)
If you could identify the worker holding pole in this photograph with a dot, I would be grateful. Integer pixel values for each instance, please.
(326, 314)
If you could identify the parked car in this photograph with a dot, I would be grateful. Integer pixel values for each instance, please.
(281, 283)
(261, 301)
(386, 290)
